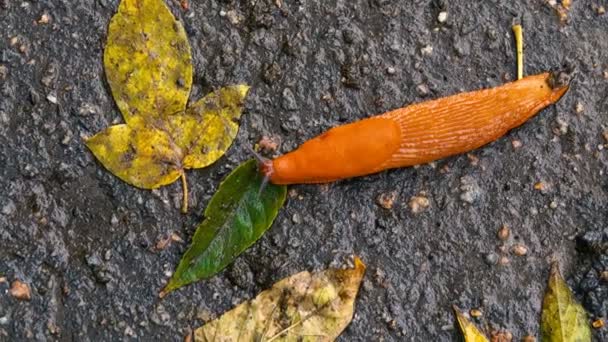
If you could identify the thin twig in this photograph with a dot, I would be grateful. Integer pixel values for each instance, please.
(185, 190)
(519, 45)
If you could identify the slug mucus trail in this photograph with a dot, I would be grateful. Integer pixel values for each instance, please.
(418, 133)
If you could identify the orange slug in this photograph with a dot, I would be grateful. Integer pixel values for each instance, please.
(418, 133)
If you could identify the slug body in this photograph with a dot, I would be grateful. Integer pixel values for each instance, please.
(416, 134)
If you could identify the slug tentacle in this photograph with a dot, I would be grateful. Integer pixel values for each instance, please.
(266, 168)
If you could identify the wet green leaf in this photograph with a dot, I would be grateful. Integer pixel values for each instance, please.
(147, 60)
(469, 331)
(303, 307)
(237, 215)
(563, 319)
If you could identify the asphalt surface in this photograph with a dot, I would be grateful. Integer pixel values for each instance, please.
(86, 242)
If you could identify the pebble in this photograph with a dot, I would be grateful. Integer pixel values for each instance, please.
(504, 232)
(4, 320)
(442, 17)
(296, 218)
(601, 10)
(418, 204)
(598, 323)
(504, 261)
(52, 98)
(491, 258)
(579, 108)
(3, 72)
(470, 191)
(44, 19)
(289, 100)
(427, 50)
(516, 143)
(475, 313)
(390, 70)
(553, 205)
(386, 200)
(9, 208)
(528, 338)
(519, 249)
(422, 89)
(20, 290)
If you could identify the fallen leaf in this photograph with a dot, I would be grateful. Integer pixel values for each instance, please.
(148, 65)
(238, 214)
(469, 331)
(147, 60)
(303, 307)
(563, 319)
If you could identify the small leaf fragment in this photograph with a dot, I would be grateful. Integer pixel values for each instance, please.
(303, 307)
(563, 319)
(142, 156)
(147, 60)
(469, 331)
(208, 127)
(237, 216)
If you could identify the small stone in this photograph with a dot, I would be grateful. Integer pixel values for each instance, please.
(475, 313)
(222, 13)
(504, 232)
(442, 17)
(289, 100)
(473, 160)
(528, 338)
(519, 250)
(269, 144)
(423, 89)
(562, 127)
(44, 19)
(52, 98)
(541, 186)
(605, 74)
(605, 135)
(418, 204)
(553, 205)
(504, 261)
(598, 323)
(20, 290)
(427, 50)
(491, 258)
(4, 320)
(390, 70)
(114, 220)
(601, 10)
(9, 208)
(604, 276)
(387, 200)
(516, 143)
(470, 191)
(579, 108)
(3, 72)
(296, 218)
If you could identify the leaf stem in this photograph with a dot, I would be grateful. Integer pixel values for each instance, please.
(185, 190)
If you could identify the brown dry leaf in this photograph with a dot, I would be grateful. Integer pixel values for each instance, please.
(303, 307)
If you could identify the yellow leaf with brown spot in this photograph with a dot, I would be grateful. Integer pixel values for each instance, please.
(303, 307)
(141, 156)
(147, 60)
(148, 65)
(469, 331)
(208, 127)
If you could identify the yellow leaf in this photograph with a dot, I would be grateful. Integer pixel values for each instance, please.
(208, 127)
(302, 307)
(469, 331)
(563, 319)
(147, 60)
(141, 156)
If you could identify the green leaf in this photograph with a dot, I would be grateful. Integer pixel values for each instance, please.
(563, 319)
(237, 215)
(147, 60)
(470, 332)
